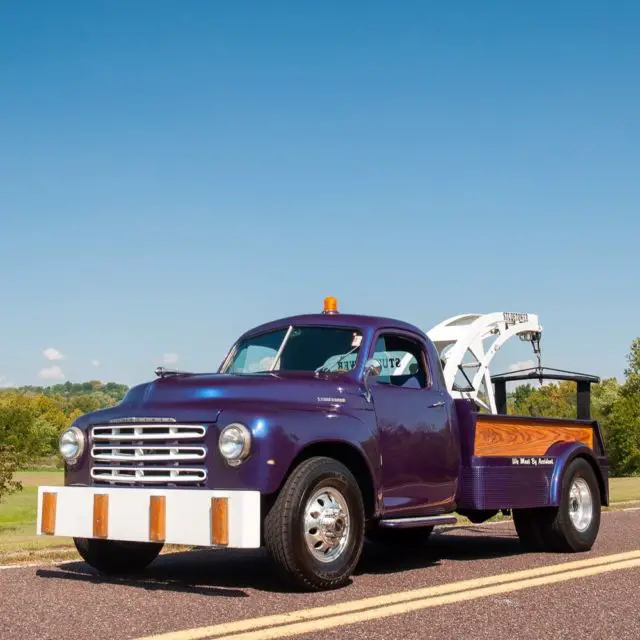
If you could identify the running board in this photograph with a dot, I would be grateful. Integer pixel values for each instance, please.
(426, 521)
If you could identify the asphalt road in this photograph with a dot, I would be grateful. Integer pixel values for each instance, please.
(462, 584)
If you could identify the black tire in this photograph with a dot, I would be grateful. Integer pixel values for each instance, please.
(116, 557)
(284, 532)
(399, 538)
(551, 528)
(559, 532)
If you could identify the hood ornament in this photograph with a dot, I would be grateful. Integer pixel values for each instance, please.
(163, 372)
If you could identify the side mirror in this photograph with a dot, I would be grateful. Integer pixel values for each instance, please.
(372, 367)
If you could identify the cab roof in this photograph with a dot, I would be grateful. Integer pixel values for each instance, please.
(356, 321)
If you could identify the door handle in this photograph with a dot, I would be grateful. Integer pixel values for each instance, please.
(440, 403)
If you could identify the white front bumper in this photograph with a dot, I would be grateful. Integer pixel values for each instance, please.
(194, 517)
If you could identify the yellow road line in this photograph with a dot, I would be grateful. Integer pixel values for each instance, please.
(406, 607)
(404, 598)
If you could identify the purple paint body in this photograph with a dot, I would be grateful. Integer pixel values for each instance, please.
(410, 447)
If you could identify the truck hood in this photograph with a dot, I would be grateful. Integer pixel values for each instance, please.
(203, 396)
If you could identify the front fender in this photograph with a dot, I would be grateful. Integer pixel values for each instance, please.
(564, 453)
(280, 436)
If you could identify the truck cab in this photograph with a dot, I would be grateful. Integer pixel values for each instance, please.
(382, 380)
(315, 432)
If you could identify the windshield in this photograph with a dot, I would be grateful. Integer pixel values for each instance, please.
(322, 349)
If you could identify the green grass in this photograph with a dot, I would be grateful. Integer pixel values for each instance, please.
(18, 539)
(18, 517)
(625, 489)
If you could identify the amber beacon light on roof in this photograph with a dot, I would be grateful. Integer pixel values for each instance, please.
(330, 305)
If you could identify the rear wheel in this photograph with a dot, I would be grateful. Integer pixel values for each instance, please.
(117, 556)
(314, 532)
(573, 525)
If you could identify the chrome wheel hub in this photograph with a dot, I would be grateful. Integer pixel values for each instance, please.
(326, 524)
(580, 504)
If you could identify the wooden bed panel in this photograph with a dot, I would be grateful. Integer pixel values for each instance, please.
(524, 437)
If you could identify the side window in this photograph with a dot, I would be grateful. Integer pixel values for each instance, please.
(402, 362)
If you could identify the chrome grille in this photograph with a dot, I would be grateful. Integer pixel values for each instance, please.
(134, 453)
(149, 453)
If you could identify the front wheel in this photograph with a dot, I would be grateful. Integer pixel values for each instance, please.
(314, 532)
(117, 556)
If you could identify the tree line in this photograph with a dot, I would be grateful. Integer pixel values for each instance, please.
(32, 418)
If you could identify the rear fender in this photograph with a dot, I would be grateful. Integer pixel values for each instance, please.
(564, 453)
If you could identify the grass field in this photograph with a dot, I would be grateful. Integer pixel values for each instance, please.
(18, 540)
(18, 517)
(625, 489)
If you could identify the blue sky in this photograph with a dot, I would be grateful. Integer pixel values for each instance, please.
(173, 173)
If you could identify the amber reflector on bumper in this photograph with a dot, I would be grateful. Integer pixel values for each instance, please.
(48, 523)
(157, 518)
(219, 521)
(100, 515)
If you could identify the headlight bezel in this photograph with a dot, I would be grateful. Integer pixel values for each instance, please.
(81, 440)
(243, 454)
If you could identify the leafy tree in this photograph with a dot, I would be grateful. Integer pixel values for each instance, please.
(32, 418)
(603, 399)
(548, 400)
(623, 437)
(23, 436)
(632, 371)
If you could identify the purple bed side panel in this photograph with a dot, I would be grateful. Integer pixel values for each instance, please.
(499, 483)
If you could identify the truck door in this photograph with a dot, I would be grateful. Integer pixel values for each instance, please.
(417, 443)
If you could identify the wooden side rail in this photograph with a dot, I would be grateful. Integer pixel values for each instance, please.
(525, 437)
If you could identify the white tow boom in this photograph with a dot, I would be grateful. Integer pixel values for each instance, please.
(460, 341)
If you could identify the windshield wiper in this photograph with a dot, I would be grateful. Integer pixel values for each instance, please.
(281, 349)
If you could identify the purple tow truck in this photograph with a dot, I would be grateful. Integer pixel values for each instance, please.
(317, 431)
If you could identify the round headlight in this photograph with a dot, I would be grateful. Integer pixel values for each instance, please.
(234, 443)
(71, 444)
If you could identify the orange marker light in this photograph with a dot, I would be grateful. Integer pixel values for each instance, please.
(330, 305)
